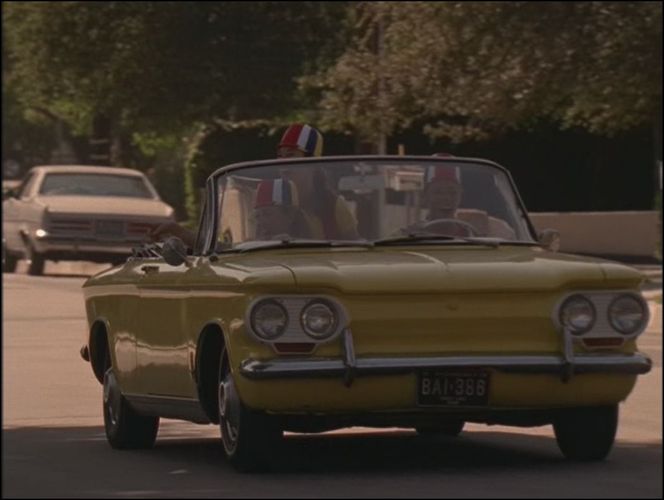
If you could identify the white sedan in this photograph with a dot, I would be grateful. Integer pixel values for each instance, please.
(79, 213)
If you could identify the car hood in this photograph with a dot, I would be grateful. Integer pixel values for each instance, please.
(107, 205)
(432, 270)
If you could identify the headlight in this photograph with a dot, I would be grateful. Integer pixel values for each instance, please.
(577, 314)
(627, 314)
(319, 319)
(269, 319)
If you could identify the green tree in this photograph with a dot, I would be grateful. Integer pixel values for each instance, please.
(25, 140)
(160, 66)
(472, 69)
(145, 72)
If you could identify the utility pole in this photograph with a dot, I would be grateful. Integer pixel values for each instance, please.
(63, 153)
(382, 136)
(100, 142)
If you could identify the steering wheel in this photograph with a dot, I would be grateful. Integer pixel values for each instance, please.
(467, 226)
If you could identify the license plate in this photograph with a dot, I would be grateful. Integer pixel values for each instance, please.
(110, 229)
(453, 388)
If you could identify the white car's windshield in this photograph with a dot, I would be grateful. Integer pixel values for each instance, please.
(370, 201)
(71, 184)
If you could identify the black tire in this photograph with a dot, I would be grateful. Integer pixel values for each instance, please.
(125, 429)
(248, 437)
(586, 434)
(36, 262)
(9, 262)
(446, 428)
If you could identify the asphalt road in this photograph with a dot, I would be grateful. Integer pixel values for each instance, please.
(54, 446)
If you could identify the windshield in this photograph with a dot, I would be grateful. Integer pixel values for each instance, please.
(368, 200)
(95, 185)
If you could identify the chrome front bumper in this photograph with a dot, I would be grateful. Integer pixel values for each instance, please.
(349, 367)
(304, 368)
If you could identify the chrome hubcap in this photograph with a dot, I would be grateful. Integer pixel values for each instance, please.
(228, 410)
(111, 399)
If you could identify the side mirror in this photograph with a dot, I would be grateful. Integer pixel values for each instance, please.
(550, 240)
(174, 252)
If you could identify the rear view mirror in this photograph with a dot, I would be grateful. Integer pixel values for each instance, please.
(550, 240)
(174, 252)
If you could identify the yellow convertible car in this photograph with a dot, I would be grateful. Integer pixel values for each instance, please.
(400, 291)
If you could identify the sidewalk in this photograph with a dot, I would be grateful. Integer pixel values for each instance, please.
(652, 287)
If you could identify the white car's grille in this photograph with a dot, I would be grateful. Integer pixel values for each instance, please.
(111, 229)
(139, 229)
(100, 228)
(70, 226)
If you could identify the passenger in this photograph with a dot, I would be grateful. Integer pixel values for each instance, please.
(326, 213)
(300, 140)
(276, 211)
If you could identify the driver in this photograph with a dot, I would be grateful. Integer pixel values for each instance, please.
(442, 196)
(442, 192)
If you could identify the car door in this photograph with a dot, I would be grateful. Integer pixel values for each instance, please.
(161, 345)
(167, 338)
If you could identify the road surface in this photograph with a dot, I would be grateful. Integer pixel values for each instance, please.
(54, 444)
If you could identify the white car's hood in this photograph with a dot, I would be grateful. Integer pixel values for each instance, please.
(106, 205)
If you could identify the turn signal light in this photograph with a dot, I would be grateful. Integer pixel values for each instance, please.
(603, 342)
(294, 347)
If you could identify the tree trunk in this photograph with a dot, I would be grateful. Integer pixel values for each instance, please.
(100, 142)
(63, 153)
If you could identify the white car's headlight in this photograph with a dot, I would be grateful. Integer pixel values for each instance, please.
(627, 314)
(269, 319)
(577, 314)
(319, 319)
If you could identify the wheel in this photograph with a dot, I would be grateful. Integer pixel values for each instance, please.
(586, 434)
(9, 262)
(36, 262)
(125, 429)
(447, 428)
(247, 436)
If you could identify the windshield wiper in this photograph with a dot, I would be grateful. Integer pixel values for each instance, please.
(420, 236)
(412, 237)
(415, 237)
(294, 243)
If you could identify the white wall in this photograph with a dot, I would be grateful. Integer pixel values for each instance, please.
(604, 233)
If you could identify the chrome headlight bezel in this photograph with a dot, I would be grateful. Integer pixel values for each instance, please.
(258, 329)
(295, 334)
(576, 329)
(640, 325)
(307, 312)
